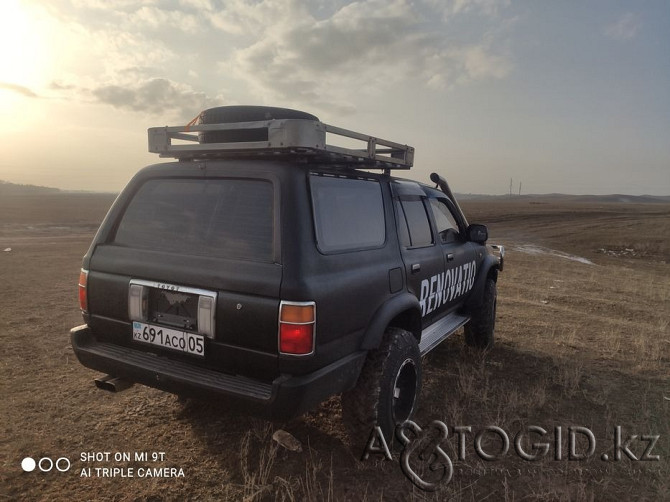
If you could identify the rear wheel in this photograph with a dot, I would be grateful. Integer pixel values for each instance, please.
(479, 331)
(387, 390)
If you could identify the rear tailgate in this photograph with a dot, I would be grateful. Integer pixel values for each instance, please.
(180, 241)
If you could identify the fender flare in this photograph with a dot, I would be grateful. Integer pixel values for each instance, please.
(396, 305)
(489, 265)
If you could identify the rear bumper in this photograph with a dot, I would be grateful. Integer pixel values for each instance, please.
(285, 397)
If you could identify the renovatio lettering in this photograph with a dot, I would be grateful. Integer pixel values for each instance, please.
(445, 287)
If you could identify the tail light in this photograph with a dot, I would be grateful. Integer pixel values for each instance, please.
(83, 297)
(296, 328)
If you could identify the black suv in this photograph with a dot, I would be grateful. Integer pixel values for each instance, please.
(274, 270)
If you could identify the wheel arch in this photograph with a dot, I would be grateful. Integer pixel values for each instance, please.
(401, 311)
(488, 270)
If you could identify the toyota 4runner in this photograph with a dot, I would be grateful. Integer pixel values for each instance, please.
(272, 269)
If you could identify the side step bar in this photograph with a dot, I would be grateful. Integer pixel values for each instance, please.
(437, 332)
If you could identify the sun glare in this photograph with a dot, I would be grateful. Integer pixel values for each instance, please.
(23, 52)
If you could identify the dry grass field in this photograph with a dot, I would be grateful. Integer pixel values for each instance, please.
(582, 340)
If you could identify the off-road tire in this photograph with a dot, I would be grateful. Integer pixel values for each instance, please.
(396, 364)
(479, 331)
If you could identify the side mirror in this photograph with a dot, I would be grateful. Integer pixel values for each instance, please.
(478, 233)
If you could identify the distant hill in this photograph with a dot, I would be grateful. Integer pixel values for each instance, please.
(7, 188)
(559, 197)
(622, 198)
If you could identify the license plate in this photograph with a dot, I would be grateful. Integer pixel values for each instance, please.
(169, 338)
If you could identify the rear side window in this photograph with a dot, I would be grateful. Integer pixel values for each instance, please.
(417, 222)
(226, 218)
(348, 213)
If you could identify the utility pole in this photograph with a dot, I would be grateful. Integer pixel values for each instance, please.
(510, 187)
(519, 188)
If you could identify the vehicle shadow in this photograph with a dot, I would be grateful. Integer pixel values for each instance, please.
(504, 387)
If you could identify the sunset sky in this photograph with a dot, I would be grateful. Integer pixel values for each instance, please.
(562, 96)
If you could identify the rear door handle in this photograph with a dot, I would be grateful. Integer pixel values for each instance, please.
(415, 267)
(450, 256)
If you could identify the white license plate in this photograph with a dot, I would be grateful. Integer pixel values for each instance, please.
(169, 338)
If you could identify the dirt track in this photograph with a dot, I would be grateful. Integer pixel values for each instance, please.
(577, 345)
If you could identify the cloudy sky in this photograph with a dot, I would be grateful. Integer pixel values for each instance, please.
(562, 96)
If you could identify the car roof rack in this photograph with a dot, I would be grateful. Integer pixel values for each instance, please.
(278, 138)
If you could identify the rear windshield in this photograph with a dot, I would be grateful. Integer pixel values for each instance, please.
(227, 218)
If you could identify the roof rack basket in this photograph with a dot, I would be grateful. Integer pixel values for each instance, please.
(281, 137)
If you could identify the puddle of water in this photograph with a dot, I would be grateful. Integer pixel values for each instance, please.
(537, 250)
